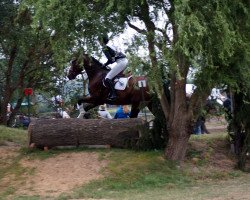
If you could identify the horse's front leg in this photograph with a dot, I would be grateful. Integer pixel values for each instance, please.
(86, 104)
(88, 99)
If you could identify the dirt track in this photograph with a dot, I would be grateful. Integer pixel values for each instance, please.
(52, 176)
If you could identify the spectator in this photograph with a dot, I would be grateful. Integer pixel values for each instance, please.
(203, 126)
(8, 108)
(63, 113)
(103, 113)
(8, 111)
(23, 121)
(122, 112)
(227, 105)
(200, 126)
(197, 127)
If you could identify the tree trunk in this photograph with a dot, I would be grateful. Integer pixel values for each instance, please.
(180, 129)
(177, 145)
(14, 111)
(179, 135)
(75, 132)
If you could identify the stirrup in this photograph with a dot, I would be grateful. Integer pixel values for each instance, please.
(105, 84)
(112, 97)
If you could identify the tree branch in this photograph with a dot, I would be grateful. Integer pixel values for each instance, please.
(142, 31)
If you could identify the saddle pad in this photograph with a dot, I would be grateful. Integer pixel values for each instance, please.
(121, 83)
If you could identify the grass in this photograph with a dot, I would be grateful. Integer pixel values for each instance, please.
(9, 165)
(18, 136)
(209, 137)
(137, 175)
(133, 172)
(147, 175)
(197, 192)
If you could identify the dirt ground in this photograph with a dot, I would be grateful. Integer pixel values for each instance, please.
(216, 124)
(54, 175)
(62, 173)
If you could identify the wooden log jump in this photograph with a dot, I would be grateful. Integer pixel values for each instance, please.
(50, 133)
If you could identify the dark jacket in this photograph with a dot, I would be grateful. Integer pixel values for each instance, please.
(112, 55)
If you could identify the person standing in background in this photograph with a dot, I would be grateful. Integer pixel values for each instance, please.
(103, 113)
(122, 112)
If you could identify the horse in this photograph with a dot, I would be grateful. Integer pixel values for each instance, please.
(132, 94)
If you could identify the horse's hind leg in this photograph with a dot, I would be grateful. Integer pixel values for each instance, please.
(88, 106)
(134, 111)
(150, 107)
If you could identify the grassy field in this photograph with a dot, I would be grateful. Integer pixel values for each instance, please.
(207, 173)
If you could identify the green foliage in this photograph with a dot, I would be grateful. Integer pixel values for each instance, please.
(73, 24)
(239, 127)
(201, 27)
(27, 57)
(138, 66)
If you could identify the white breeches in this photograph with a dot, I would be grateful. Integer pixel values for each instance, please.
(121, 64)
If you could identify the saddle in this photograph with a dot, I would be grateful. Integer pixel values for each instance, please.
(120, 75)
(120, 80)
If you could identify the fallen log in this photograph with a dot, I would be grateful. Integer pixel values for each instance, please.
(121, 133)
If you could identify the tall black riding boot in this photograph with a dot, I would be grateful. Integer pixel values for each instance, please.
(112, 95)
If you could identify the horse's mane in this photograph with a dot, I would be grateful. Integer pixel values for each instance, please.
(93, 66)
(96, 61)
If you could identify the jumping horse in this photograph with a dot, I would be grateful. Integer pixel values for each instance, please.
(132, 94)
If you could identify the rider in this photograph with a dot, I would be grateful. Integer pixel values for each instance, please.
(113, 55)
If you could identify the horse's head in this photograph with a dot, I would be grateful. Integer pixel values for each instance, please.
(89, 63)
(75, 69)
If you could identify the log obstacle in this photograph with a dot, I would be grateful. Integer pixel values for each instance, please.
(48, 133)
